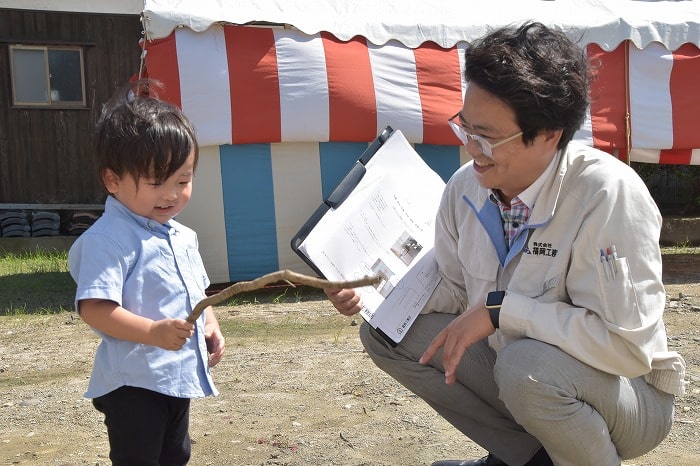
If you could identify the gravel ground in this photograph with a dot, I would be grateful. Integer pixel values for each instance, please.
(296, 389)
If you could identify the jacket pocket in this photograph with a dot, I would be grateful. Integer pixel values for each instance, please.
(618, 292)
(536, 277)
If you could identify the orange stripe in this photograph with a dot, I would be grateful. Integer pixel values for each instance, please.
(255, 94)
(161, 64)
(675, 156)
(351, 100)
(685, 98)
(608, 97)
(440, 90)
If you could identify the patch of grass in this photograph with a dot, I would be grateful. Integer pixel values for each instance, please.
(243, 332)
(287, 328)
(262, 330)
(35, 282)
(283, 294)
(38, 282)
(35, 377)
(685, 248)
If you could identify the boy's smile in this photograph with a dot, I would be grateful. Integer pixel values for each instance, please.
(144, 197)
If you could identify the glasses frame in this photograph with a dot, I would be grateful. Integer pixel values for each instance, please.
(481, 143)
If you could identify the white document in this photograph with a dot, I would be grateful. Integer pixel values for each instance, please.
(385, 226)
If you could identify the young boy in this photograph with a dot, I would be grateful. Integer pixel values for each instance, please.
(139, 274)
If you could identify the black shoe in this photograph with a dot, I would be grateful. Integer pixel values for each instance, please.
(541, 458)
(488, 460)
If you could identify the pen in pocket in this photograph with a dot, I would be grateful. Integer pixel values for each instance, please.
(606, 265)
(612, 258)
(611, 268)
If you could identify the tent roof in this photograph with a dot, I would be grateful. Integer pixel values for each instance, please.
(445, 22)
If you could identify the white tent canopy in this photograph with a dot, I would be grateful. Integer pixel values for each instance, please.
(445, 22)
(283, 112)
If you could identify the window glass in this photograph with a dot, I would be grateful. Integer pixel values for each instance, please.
(29, 73)
(47, 76)
(65, 76)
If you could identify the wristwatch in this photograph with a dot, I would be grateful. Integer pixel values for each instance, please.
(493, 304)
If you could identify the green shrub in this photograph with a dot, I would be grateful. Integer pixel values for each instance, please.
(675, 188)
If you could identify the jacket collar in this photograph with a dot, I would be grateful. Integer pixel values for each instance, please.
(547, 200)
(545, 205)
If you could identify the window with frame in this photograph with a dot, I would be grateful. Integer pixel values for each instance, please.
(47, 76)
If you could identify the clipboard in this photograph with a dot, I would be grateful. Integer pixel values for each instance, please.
(381, 223)
(338, 196)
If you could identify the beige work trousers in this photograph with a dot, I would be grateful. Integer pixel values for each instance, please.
(529, 395)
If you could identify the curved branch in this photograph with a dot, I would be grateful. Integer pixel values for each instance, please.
(279, 276)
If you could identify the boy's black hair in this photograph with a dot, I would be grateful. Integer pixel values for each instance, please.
(140, 135)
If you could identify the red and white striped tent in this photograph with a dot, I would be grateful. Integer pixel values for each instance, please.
(286, 95)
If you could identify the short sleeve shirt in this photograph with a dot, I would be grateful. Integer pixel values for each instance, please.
(154, 271)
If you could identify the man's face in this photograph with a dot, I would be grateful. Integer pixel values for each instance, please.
(513, 165)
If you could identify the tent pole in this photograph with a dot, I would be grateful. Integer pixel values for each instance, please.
(628, 129)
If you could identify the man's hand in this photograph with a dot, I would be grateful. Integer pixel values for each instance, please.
(346, 301)
(462, 332)
(170, 334)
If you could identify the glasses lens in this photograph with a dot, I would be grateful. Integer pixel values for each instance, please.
(481, 145)
(459, 132)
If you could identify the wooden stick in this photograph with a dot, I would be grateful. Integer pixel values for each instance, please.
(279, 276)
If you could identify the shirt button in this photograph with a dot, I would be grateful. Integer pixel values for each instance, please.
(515, 224)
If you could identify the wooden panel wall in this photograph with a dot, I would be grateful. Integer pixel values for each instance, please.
(45, 154)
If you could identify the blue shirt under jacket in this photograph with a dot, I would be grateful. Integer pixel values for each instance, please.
(154, 271)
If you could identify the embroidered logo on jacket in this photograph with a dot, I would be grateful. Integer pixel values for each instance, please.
(541, 249)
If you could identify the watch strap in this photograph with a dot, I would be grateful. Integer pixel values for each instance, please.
(493, 305)
(494, 314)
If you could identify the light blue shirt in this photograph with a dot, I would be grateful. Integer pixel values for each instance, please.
(154, 271)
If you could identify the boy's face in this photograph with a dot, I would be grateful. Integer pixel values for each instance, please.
(159, 202)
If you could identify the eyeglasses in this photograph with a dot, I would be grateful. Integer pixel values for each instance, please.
(484, 146)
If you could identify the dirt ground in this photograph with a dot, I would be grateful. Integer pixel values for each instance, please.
(296, 389)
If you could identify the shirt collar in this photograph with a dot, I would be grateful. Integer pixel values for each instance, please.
(112, 204)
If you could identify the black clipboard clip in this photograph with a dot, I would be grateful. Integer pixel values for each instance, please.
(338, 196)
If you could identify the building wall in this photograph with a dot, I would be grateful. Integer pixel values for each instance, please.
(45, 154)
